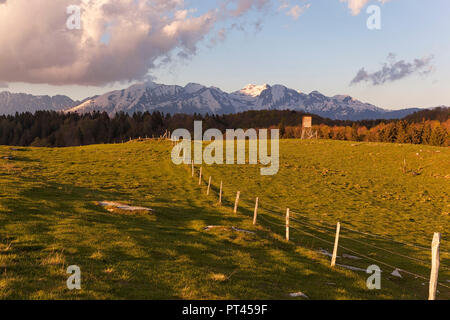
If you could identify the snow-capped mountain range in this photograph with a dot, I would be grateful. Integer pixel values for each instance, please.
(196, 98)
(11, 103)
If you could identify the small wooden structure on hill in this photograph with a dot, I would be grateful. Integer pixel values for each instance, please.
(307, 130)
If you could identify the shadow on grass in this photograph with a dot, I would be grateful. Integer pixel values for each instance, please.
(165, 255)
(56, 218)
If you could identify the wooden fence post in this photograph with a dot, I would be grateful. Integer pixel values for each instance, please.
(220, 193)
(287, 224)
(255, 213)
(237, 201)
(434, 265)
(209, 186)
(336, 244)
(192, 166)
(200, 176)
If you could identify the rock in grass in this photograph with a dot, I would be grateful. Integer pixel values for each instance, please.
(119, 207)
(396, 273)
(241, 230)
(298, 294)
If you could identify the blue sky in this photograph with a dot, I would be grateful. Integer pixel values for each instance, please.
(321, 50)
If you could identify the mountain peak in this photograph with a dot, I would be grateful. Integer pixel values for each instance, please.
(193, 87)
(196, 98)
(150, 84)
(254, 90)
(343, 97)
(11, 103)
(316, 93)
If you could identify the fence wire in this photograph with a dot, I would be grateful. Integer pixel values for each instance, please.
(277, 211)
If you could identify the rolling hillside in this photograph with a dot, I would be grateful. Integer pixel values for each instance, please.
(49, 220)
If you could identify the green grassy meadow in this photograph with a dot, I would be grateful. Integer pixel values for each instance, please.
(49, 220)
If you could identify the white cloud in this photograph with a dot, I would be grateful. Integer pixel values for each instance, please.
(36, 46)
(119, 40)
(356, 5)
(296, 11)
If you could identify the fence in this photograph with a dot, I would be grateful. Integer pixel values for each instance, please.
(332, 235)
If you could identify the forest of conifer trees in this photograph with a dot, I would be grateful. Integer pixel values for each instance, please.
(56, 129)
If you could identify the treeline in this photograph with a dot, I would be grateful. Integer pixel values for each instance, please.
(56, 129)
(427, 132)
(431, 127)
(441, 114)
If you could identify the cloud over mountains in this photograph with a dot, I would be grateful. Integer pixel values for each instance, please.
(119, 40)
(38, 48)
(394, 70)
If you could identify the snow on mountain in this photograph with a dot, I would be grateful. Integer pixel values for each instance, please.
(193, 87)
(159, 97)
(253, 90)
(11, 103)
(196, 98)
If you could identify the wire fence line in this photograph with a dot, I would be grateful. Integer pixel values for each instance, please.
(372, 259)
(388, 239)
(361, 242)
(331, 228)
(358, 253)
(296, 211)
(364, 243)
(360, 232)
(354, 252)
(272, 223)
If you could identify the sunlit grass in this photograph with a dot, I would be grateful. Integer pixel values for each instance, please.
(49, 220)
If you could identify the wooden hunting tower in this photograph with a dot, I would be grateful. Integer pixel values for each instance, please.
(307, 130)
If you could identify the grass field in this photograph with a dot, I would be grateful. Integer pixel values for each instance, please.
(49, 220)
